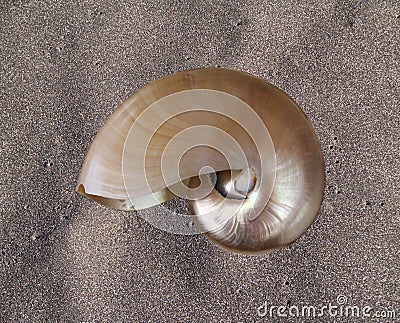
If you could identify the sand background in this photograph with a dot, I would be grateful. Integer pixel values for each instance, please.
(65, 66)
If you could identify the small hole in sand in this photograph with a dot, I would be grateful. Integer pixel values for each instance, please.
(48, 163)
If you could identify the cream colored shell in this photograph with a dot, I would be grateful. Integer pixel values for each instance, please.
(237, 147)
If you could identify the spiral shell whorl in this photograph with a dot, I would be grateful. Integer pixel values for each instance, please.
(239, 143)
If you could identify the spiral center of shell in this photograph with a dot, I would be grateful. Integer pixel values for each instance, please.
(236, 184)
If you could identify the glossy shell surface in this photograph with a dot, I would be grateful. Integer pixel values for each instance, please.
(238, 148)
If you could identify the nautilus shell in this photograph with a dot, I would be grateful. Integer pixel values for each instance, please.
(237, 148)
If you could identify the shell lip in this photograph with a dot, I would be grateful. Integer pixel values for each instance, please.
(117, 204)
